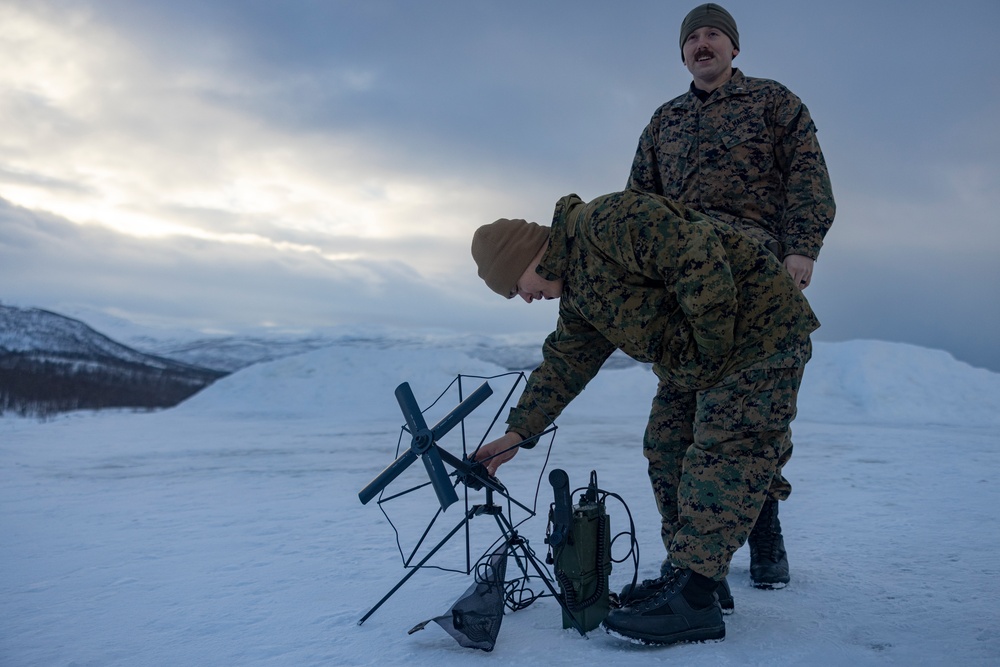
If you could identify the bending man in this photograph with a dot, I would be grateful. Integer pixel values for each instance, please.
(727, 332)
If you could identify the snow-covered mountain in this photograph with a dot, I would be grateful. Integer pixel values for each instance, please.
(48, 335)
(234, 352)
(52, 363)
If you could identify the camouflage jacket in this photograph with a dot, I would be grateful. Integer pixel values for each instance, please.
(748, 156)
(666, 285)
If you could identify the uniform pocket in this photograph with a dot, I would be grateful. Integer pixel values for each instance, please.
(770, 402)
(751, 401)
(749, 144)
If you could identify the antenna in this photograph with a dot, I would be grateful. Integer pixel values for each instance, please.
(423, 444)
(473, 475)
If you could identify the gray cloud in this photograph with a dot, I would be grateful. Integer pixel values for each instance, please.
(228, 164)
(212, 286)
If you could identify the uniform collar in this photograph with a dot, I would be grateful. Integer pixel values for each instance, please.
(565, 219)
(737, 85)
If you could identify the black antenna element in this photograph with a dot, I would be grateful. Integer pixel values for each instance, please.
(423, 443)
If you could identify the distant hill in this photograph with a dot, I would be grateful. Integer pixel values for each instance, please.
(50, 363)
(230, 353)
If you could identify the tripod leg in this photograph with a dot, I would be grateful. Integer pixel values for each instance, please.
(416, 567)
(512, 538)
(517, 542)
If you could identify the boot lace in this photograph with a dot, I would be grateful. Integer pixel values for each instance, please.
(766, 543)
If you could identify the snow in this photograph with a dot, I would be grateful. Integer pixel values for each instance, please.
(228, 530)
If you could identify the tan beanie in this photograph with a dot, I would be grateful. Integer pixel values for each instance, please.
(504, 249)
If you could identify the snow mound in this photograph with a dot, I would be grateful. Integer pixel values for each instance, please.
(354, 382)
(865, 381)
(849, 382)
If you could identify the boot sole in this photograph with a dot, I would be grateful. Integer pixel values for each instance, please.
(699, 635)
(769, 586)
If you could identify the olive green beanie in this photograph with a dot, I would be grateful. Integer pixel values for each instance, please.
(709, 15)
(504, 249)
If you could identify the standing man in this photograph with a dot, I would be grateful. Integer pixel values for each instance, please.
(744, 151)
(727, 333)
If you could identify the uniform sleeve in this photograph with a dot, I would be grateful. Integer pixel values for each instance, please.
(645, 174)
(809, 204)
(571, 356)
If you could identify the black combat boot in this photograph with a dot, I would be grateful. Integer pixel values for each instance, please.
(683, 607)
(632, 594)
(768, 560)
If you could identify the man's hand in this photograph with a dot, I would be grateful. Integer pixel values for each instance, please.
(801, 269)
(490, 453)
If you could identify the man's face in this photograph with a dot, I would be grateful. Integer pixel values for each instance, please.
(708, 55)
(531, 286)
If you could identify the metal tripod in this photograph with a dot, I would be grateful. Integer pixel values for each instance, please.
(519, 546)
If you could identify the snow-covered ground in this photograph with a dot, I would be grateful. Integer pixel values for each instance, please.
(228, 531)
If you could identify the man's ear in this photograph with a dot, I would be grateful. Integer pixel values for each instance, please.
(736, 52)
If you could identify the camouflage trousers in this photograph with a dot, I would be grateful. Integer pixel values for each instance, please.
(715, 455)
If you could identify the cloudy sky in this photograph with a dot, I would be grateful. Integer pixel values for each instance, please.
(241, 165)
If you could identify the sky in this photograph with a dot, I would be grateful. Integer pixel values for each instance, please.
(236, 167)
(228, 530)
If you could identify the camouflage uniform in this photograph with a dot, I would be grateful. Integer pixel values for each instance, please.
(713, 455)
(748, 155)
(726, 331)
